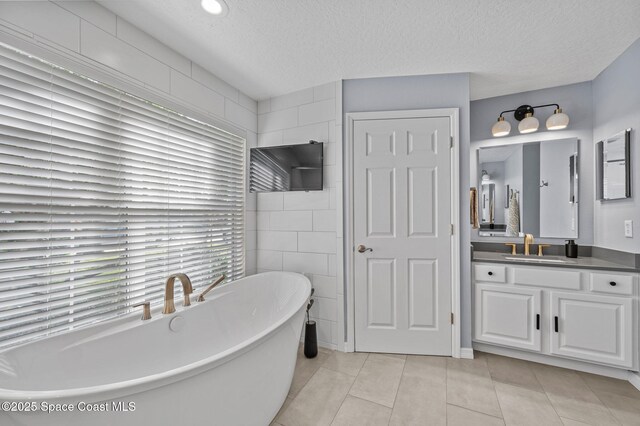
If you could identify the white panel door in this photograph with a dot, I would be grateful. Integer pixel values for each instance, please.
(402, 210)
(592, 327)
(508, 316)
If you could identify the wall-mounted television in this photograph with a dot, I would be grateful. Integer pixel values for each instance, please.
(286, 168)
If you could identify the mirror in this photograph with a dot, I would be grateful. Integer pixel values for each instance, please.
(529, 188)
(613, 168)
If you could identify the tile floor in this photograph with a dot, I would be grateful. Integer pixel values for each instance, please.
(337, 388)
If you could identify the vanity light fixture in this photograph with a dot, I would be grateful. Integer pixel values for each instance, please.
(528, 123)
(214, 7)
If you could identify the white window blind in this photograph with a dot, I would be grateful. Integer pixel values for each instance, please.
(102, 195)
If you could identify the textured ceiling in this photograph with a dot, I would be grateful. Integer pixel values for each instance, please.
(272, 47)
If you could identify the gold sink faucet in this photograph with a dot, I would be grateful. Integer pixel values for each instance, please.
(528, 240)
(187, 289)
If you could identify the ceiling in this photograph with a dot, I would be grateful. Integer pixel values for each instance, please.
(271, 47)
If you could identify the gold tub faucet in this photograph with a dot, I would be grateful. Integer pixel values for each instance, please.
(187, 289)
(528, 240)
(211, 287)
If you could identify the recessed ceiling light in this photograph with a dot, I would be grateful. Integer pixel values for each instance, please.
(214, 7)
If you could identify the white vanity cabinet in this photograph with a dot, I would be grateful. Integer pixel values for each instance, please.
(508, 316)
(592, 327)
(586, 315)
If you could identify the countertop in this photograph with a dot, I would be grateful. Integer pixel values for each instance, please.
(579, 262)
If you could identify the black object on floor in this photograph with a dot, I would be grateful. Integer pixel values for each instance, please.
(310, 340)
(310, 333)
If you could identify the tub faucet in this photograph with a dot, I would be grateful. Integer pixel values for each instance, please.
(208, 289)
(528, 240)
(187, 289)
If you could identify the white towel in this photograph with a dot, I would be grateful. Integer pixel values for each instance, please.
(513, 222)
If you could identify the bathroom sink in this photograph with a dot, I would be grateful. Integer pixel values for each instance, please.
(538, 259)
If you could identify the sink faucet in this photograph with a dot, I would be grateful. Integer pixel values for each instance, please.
(187, 289)
(528, 240)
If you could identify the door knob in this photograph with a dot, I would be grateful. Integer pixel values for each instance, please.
(362, 248)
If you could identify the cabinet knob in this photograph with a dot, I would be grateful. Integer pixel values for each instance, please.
(490, 273)
(612, 283)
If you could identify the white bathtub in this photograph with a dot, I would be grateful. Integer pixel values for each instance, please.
(230, 364)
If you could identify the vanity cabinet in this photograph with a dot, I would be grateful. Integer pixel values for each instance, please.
(592, 327)
(586, 315)
(508, 316)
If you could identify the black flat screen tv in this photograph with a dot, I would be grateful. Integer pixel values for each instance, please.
(286, 168)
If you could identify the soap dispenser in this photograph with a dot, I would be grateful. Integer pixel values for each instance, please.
(571, 249)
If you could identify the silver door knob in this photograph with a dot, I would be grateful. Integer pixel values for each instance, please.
(361, 248)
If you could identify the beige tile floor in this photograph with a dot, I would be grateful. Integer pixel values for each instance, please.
(337, 388)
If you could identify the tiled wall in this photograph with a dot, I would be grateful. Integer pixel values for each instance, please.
(87, 38)
(302, 231)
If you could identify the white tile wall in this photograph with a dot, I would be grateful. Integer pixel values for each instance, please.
(313, 200)
(198, 94)
(317, 132)
(272, 240)
(295, 118)
(270, 201)
(264, 106)
(92, 12)
(317, 112)
(270, 260)
(317, 242)
(312, 263)
(143, 41)
(270, 138)
(84, 32)
(47, 20)
(203, 76)
(106, 49)
(278, 120)
(249, 104)
(325, 286)
(240, 115)
(292, 100)
(324, 220)
(291, 221)
(326, 91)
(263, 220)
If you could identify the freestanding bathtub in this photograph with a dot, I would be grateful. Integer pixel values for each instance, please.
(229, 361)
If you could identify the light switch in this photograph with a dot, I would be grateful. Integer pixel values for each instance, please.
(628, 228)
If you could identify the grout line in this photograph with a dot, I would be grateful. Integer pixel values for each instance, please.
(395, 397)
(493, 385)
(348, 391)
(598, 397)
(476, 411)
(484, 360)
(553, 407)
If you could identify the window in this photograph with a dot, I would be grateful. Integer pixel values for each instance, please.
(102, 195)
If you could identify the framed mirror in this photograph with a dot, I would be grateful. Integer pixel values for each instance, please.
(613, 167)
(529, 188)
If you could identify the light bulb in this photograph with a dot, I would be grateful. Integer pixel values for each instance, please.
(501, 127)
(558, 121)
(529, 124)
(212, 6)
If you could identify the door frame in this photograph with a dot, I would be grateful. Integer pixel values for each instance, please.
(349, 243)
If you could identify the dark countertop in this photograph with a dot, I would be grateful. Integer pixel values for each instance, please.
(580, 262)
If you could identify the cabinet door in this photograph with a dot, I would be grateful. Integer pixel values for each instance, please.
(592, 327)
(507, 316)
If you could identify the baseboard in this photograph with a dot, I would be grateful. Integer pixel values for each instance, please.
(326, 345)
(602, 370)
(634, 379)
(466, 353)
